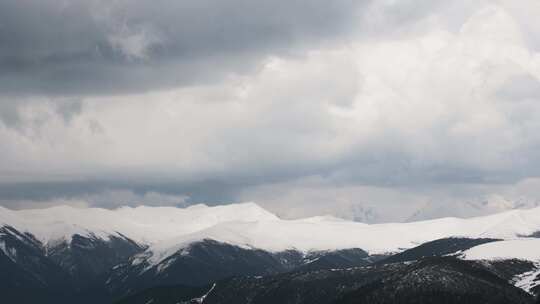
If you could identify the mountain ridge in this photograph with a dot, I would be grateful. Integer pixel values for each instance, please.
(166, 230)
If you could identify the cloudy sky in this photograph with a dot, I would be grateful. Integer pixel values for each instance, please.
(305, 107)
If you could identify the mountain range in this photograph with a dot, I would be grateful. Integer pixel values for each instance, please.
(242, 253)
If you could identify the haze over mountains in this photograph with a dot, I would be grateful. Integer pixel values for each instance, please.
(466, 208)
(471, 208)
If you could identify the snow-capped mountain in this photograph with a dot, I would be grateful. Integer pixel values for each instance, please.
(142, 224)
(166, 230)
(113, 253)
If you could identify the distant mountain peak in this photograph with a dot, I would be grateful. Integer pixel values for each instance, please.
(470, 208)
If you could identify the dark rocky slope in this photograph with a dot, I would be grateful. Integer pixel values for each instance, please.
(433, 280)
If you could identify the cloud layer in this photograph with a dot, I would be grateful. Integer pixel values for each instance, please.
(386, 103)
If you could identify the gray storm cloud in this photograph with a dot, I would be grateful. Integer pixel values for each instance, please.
(299, 105)
(97, 47)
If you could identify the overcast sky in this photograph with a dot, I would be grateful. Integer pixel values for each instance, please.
(304, 107)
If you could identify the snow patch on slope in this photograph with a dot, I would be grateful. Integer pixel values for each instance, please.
(203, 297)
(11, 253)
(523, 249)
(527, 281)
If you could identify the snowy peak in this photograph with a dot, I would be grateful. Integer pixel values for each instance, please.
(142, 224)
